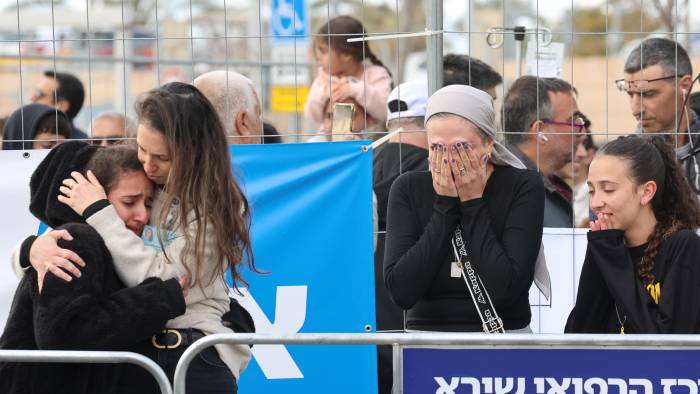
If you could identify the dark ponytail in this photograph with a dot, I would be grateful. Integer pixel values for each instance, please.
(675, 205)
(336, 32)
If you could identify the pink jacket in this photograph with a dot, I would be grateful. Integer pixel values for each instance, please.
(371, 92)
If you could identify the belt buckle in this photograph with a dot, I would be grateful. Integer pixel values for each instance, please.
(155, 343)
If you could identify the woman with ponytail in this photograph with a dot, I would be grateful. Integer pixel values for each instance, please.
(641, 273)
(347, 70)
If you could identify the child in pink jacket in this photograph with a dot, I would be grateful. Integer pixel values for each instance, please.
(344, 74)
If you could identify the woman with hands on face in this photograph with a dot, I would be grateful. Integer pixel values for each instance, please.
(640, 274)
(476, 184)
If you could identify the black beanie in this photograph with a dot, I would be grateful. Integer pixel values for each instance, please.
(48, 177)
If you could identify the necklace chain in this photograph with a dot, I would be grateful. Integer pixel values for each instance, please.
(621, 321)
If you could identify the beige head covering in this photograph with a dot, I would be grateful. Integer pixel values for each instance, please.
(476, 106)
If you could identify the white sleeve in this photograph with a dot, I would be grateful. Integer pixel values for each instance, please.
(14, 261)
(133, 260)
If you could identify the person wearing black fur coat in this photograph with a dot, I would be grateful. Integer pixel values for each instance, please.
(93, 312)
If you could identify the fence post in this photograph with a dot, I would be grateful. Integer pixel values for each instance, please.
(433, 19)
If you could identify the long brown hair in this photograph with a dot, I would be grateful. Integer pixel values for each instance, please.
(201, 181)
(675, 205)
(336, 32)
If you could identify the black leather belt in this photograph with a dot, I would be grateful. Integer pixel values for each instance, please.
(171, 338)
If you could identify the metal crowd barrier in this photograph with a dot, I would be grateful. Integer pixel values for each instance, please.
(89, 357)
(477, 340)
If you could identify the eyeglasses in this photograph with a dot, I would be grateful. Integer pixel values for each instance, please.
(577, 124)
(625, 86)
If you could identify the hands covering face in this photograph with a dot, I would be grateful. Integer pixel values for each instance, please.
(458, 171)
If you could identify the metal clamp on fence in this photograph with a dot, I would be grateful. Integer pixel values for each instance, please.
(88, 357)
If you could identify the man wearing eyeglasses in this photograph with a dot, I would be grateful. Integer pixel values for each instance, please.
(542, 125)
(658, 79)
(63, 91)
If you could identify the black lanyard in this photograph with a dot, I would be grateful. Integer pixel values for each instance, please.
(482, 301)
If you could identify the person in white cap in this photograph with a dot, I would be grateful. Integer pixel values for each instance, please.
(408, 149)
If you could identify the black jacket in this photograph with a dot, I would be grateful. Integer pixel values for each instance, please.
(502, 232)
(689, 154)
(93, 312)
(610, 292)
(558, 210)
(390, 161)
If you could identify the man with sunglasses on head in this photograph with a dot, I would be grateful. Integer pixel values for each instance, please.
(658, 79)
(542, 126)
(63, 91)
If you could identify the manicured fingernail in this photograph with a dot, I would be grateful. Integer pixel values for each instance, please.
(445, 161)
(454, 147)
(453, 161)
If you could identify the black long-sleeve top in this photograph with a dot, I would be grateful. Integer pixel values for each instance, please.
(502, 232)
(611, 293)
(93, 312)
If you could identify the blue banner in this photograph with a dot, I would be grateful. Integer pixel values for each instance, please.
(312, 231)
(550, 371)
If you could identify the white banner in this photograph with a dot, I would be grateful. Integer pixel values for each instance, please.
(17, 223)
(564, 248)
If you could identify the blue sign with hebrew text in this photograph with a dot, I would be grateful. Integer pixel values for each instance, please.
(550, 371)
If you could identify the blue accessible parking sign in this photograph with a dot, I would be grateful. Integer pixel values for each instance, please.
(289, 19)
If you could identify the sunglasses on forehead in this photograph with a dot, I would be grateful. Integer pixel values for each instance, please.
(112, 140)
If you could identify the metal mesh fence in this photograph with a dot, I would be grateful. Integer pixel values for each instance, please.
(121, 49)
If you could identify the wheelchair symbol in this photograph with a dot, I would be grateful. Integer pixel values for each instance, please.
(286, 20)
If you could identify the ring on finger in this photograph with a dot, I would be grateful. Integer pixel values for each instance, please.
(462, 172)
